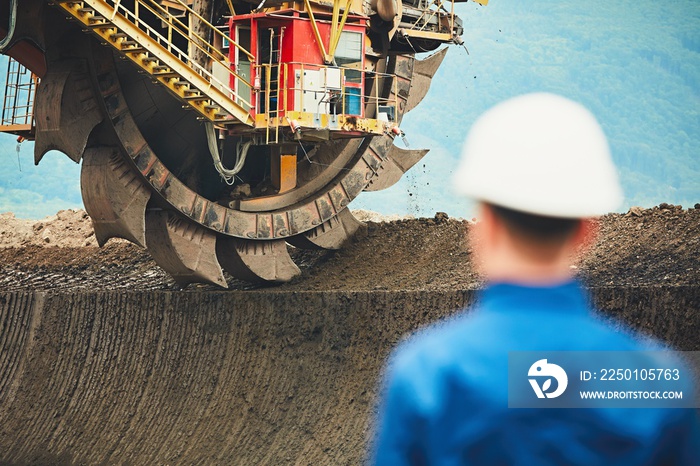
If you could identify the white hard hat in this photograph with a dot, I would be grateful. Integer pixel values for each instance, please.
(541, 154)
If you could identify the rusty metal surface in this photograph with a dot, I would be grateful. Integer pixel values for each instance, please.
(399, 87)
(114, 197)
(423, 72)
(65, 110)
(182, 248)
(26, 32)
(256, 261)
(321, 205)
(397, 162)
(331, 234)
(329, 159)
(310, 213)
(131, 193)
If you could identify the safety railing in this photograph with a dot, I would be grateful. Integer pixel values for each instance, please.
(277, 101)
(18, 103)
(428, 14)
(144, 11)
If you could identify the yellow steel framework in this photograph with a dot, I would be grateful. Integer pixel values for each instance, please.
(153, 50)
(337, 25)
(428, 14)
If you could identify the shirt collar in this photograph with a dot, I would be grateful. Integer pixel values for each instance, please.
(568, 296)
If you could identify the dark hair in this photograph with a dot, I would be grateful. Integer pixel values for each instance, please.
(536, 227)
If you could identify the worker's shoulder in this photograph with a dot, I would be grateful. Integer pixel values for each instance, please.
(423, 363)
(477, 336)
(439, 344)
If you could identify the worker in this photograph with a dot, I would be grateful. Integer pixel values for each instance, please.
(540, 170)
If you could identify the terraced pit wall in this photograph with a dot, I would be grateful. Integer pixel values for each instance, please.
(235, 378)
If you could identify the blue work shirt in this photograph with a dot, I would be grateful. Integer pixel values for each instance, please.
(445, 398)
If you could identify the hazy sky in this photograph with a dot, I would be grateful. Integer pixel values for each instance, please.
(635, 64)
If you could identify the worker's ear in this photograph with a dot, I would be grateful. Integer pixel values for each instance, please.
(586, 234)
(485, 222)
(481, 237)
(484, 235)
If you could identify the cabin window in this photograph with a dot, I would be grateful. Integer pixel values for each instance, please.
(349, 55)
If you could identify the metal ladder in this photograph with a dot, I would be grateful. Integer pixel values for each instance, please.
(18, 103)
(273, 113)
(273, 89)
(127, 31)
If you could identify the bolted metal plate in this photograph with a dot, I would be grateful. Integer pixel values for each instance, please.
(256, 261)
(114, 196)
(184, 249)
(423, 72)
(331, 234)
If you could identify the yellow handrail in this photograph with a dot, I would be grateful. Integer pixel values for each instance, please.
(213, 28)
(230, 8)
(175, 25)
(268, 69)
(336, 28)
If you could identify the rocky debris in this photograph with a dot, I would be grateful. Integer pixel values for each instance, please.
(441, 217)
(636, 211)
(660, 245)
(66, 229)
(369, 216)
(296, 371)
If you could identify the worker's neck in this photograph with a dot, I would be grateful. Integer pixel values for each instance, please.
(510, 266)
(504, 256)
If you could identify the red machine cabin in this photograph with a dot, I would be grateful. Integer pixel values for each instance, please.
(290, 78)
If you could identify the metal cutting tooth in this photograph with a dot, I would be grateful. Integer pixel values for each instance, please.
(398, 161)
(185, 250)
(256, 261)
(66, 110)
(331, 234)
(114, 196)
(423, 72)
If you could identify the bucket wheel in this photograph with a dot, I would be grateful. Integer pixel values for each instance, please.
(148, 176)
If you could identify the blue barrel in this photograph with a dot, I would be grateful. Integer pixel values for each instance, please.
(353, 101)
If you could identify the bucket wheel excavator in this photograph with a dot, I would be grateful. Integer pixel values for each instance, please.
(215, 133)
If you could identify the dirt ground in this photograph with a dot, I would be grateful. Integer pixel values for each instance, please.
(642, 247)
(260, 376)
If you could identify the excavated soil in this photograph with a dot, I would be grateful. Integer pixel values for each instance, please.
(104, 361)
(658, 246)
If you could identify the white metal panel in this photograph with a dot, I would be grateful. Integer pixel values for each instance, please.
(310, 92)
(332, 78)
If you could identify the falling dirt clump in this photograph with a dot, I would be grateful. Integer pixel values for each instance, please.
(660, 245)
